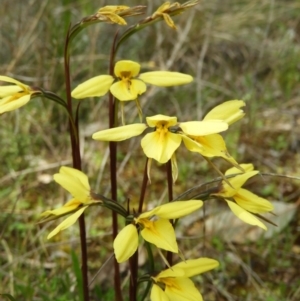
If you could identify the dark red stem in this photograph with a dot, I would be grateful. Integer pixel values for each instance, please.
(74, 137)
(113, 177)
(170, 194)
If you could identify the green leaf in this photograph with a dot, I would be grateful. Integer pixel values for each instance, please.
(78, 275)
(8, 296)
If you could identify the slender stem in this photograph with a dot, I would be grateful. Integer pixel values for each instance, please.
(133, 265)
(133, 261)
(170, 194)
(144, 186)
(113, 183)
(170, 180)
(113, 175)
(76, 164)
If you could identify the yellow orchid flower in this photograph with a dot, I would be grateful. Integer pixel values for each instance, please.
(114, 13)
(129, 84)
(246, 202)
(14, 96)
(163, 10)
(77, 184)
(167, 9)
(159, 231)
(214, 145)
(174, 283)
(163, 142)
(110, 13)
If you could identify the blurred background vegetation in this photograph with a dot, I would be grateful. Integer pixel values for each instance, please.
(235, 49)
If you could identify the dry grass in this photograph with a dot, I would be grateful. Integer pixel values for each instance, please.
(235, 50)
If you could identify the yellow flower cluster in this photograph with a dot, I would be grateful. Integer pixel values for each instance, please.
(154, 226)
(164, 134)
(198, 136)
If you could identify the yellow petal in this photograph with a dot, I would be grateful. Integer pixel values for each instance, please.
(198, 266)
(157, 294)
(229, 111)
(69, 221)
(126, 243)
(213, 145)
(7, 105)
(160, 233)
(163, 7)
(125, 91)
(160, 147)
(130, 68)
(239, 180)
(236, 183)
(234, 170)
(65, 170)
(112, 18)
(112, 8)
(121, 90)
(210, 146)
(245, 216)
(13, 81)
(169, 273)
(68, 207)
(74, 186)
(9, 90)
(251, 202)
(120, 133)
(159, 119)
(137, 87)
(202, 128)
(192, 145)
(96, 86)
(169, 20)
(174, 210)
(182, 289)
(165, 78)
